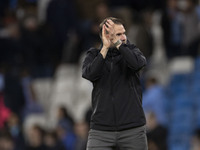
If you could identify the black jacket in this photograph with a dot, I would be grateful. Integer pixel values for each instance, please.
(117, 94)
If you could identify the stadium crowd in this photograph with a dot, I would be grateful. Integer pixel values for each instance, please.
(44, 102)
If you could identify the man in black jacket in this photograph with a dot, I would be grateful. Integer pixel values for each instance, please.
(117, 119)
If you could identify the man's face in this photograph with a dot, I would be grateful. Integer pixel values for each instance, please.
(120, 32)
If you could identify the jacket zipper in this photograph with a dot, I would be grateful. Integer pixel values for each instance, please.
(112, 97)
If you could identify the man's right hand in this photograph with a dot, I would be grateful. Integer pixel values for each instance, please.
(105, 37)
(106, 42)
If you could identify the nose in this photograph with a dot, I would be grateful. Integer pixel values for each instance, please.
(123, 37)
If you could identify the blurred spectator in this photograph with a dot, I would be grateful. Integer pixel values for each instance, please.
(4, 111)
(64, 117)
(195, 141)
(6, 141)
(14, 97)
(37, 51)
(86, 9)
(179, 20)
(14, 128)
(51, 142)
(101, 11)
(172, 29)
(66, 135)
(90, 26)
(11, 48)
(190, 21)
(62, 19)
(11, 60)
(72, 48)
(81, 131)
(35, 138)
(3, 7)
(144, 38)
(31, 41)
(154, 100)
(156, 134)
(65, 129)
(2, 78)
(31, 104)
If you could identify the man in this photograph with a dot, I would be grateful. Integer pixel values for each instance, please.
(117, 119)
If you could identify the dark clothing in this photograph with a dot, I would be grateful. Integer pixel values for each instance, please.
(13, 93)
(155, 136)
(117, 94)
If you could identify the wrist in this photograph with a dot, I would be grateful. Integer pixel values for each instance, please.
(105, 48)
(104, 51)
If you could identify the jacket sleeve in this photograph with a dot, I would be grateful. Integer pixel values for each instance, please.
(133, 56)
(92, 65)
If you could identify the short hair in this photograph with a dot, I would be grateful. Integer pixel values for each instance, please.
(115, 21)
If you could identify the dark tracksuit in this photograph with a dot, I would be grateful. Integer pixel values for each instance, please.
(117, 94)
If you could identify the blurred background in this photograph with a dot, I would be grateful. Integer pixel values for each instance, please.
(45, 103)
